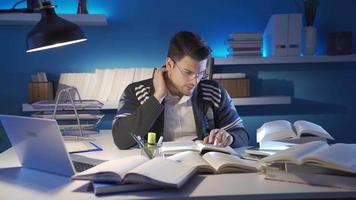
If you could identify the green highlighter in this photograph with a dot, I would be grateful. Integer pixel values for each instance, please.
(151, 138)
(151, 142)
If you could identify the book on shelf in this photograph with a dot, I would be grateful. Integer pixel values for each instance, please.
(281, 132)
(255, 42)
(139, 170)
(216, 162)
(338, 156)
(244, 49)
(246, 36)
(169, 148)
(231, 42)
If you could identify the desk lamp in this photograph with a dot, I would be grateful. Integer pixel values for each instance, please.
(51, 31)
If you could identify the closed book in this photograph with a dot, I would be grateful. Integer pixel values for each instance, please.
(246, 36)
(100, 189)
(339, 156)
(255, 42)
(245, 49)
(310, 174)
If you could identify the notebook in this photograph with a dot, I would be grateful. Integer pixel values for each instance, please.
(39, 144)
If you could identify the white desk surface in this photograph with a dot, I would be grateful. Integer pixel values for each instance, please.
(20, 183)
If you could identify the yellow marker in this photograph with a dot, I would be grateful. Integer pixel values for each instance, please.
(151, 138)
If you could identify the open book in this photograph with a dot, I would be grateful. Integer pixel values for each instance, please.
(216, 162)
(139, 170)
(198, 146)
(338, 156)
(284, 130)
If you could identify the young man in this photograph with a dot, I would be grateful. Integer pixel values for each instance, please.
(178, 102)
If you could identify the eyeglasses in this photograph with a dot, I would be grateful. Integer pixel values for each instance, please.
(191, 74)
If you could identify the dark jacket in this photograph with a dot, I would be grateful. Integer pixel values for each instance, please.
(139, 112)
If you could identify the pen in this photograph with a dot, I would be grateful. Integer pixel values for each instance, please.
(140, 140)
(141, 144)
(158, 147)
(137, 140)
(160, 140)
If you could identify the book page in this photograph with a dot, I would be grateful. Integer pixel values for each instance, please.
(204, 148)
(305, 128)
(178, 146)
(338, 156)
(161, 171)
(225, 163)
(275, 130)
(193, 158)
(111, 171)
(296, 153)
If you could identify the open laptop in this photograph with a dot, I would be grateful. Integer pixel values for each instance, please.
(39, 145)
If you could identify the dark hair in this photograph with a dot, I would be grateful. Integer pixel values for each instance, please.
(186, 43)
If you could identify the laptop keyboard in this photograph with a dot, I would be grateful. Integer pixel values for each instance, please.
(79, 166)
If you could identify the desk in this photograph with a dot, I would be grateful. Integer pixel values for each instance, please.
(20, 183)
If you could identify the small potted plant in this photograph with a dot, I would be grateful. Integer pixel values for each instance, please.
(310, 32)
(310, 8)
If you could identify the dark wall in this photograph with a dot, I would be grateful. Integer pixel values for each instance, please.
(138, 34)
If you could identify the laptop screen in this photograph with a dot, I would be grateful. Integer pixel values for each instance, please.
(38, 144)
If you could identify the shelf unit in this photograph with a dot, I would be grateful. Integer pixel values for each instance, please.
(262, 100)
(284, 60)
(243, 101)
(33, 18)
(275, 100)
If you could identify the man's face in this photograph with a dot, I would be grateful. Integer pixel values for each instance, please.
(186, 73)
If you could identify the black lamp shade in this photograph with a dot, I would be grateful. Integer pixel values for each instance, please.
(52, 31)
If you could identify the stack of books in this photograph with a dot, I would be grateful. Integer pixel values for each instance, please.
(314, 163)
(187, 158)
(279, 135)
(243, 44)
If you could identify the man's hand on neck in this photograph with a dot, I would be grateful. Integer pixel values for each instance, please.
(159, 84)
